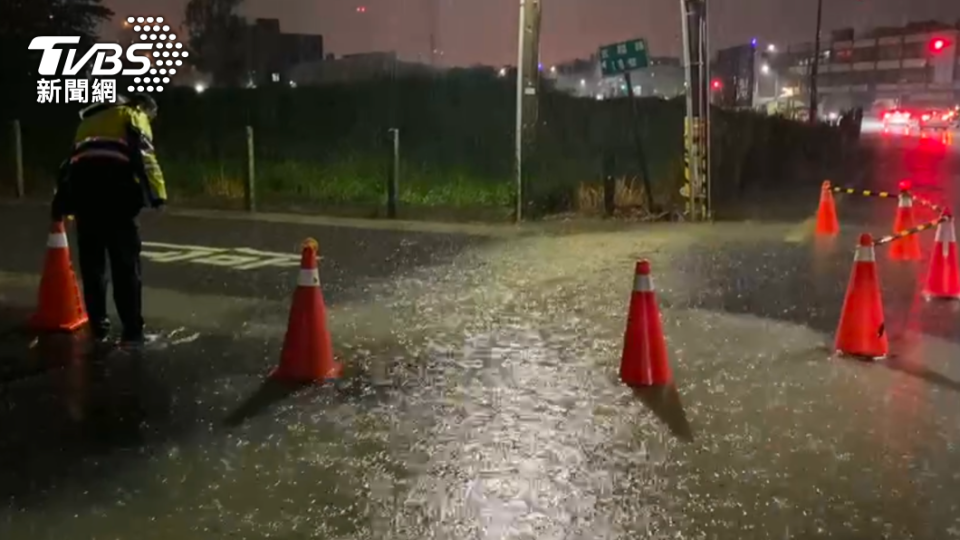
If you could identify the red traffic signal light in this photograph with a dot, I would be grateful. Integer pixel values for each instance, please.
(716, 84)
(938, 44)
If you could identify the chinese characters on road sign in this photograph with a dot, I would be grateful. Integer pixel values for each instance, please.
(235, 258)
(622, 57)
(76, 91)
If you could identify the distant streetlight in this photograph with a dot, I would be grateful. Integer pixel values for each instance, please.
(199, 87)
(583, 82)
(503, 72)
(765, 69)
(771, 48)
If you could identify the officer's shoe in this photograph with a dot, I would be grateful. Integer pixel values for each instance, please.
(100, 331)
(138, 341)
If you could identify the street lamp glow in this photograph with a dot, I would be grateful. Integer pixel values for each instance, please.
(765, 69)
(199, 87)
(583, 82)
(771, 48)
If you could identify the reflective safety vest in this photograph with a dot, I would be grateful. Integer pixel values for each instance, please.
(122, 133)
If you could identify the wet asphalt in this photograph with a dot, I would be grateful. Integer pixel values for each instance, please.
(480, 397)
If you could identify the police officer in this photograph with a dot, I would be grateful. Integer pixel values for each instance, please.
(109, 178)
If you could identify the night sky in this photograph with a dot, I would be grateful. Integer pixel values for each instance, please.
(484, 31)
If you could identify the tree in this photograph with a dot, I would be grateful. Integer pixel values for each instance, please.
(23, 20)
(217, 39)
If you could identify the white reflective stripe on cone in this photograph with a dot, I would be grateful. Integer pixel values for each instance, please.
(642, 283)
(864, 254)
(946, 233)
(906, 201)
(57, 240)
(309, 278)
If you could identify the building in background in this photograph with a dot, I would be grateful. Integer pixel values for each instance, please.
(662, 78)
(272, 54)
(353, 68)
(734, 77)
(579, 77)
(912, 65)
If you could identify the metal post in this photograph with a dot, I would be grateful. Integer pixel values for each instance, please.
(18, 158)
(609, 185)
(638, 136)
(815, 67)
(250, 191)
(518, 155)
(393, 180)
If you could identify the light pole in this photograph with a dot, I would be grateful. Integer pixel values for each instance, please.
(815, 67)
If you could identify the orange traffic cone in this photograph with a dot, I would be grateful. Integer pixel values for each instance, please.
(827, 224)
(943, 281)
(644, 361)
(59, 307)
(908, 247)
(307, 349)
(862, 331)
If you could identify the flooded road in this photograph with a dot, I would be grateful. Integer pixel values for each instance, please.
(480, 400)
(480, 397)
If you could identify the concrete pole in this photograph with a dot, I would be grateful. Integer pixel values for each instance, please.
(707, 128)
(393, 185)
(518, 155)
(690, 125)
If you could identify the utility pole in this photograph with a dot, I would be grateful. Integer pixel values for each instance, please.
(696, 130)
(815, 67)
(705, 127)
(528, 82)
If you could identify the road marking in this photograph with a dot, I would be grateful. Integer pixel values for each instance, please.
(241, 258)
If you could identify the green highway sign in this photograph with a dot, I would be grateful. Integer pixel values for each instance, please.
(622, 57)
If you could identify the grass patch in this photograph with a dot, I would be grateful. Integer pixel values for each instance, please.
(353, 181)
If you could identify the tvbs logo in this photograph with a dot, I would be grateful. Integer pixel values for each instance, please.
(157, 52)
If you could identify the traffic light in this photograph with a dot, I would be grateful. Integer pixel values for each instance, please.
(938, 45)
(716, 84)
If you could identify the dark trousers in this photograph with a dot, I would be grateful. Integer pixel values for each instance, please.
(100, 238)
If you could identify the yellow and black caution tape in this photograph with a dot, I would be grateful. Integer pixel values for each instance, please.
(864, 192)
(909, 232)
(929, 204)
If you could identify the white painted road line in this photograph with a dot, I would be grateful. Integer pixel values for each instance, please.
(241, 258)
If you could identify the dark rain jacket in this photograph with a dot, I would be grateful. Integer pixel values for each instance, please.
(116, 134)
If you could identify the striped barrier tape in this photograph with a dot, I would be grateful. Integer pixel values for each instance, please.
(929, 204)
(918, 229)
(885, 195)
(864, 192)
